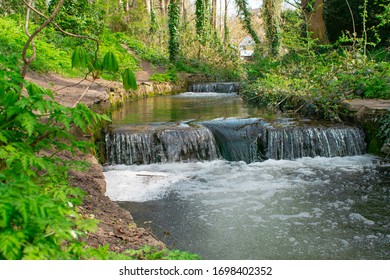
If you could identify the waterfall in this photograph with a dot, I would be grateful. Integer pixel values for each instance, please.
(159, 144)
(297, 142)
(232, 139)
(239, 139)
(214, 87)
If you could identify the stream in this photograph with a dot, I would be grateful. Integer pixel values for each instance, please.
(213, 175)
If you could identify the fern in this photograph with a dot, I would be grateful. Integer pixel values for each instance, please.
(36, 221)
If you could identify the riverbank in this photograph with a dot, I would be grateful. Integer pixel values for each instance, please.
(116, 226)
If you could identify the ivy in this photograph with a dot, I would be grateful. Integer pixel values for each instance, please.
(202, 24)
(153, 19)
(246, 19)
(272, 19)
(173, 25)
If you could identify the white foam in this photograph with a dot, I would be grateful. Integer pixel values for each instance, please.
(356, 217)
(261, 179)
(140, 186)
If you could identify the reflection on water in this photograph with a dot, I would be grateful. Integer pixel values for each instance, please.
(181, 108)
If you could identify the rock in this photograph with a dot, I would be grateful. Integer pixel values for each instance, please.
(355, 105)
(386, 149)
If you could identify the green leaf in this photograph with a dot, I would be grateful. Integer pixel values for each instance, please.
(129, 81)
(79, 58)
(11, 244)
(5, 214)
(27, 121)
(3, 138)
(110, 63)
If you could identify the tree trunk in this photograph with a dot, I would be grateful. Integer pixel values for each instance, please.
(225, 26)
(272, 10)
(148, 6)
(162, 8)
(214, 14)
(184, 11)
(314, 15)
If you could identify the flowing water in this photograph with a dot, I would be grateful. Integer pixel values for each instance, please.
(215, 176)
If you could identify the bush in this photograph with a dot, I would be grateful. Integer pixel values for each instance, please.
(38, 216)
(319, 80)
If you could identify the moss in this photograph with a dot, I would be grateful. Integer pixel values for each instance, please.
(374, 146)
(374, 142)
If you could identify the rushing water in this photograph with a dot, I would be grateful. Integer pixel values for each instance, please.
(305, 208)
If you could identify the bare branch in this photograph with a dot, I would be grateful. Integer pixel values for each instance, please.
(27, 61)
(33, 56)
(85, 91)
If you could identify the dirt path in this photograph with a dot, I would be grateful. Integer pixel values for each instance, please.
(146, 68)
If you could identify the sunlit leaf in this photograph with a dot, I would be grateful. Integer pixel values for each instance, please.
(79, 58)
(128, 78)
(110, 63)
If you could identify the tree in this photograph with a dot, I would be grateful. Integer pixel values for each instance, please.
(173, 26)
(246, 19)
(202, 23)
(214, 14)
(272, 10)
(351, 18)
(225, 24)
(313, 11)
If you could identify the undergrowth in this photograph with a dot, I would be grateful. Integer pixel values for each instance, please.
(315, 84)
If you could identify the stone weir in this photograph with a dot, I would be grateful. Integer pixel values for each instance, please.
(221, 87)
(156, 143)
(246, 140)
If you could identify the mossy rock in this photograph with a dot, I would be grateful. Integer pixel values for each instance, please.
(375, 144)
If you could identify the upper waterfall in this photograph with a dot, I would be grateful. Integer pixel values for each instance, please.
(214, 87)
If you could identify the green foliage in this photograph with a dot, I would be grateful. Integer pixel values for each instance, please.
(79, 17)
(152, 253)
(51, 58)
(38, 218)
(317, 83)
(110, 63)
(144, 51)
(339, 21)
(81, 59)
(128, 79)
(202, 24)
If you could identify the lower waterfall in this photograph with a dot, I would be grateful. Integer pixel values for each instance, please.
(232, 139)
